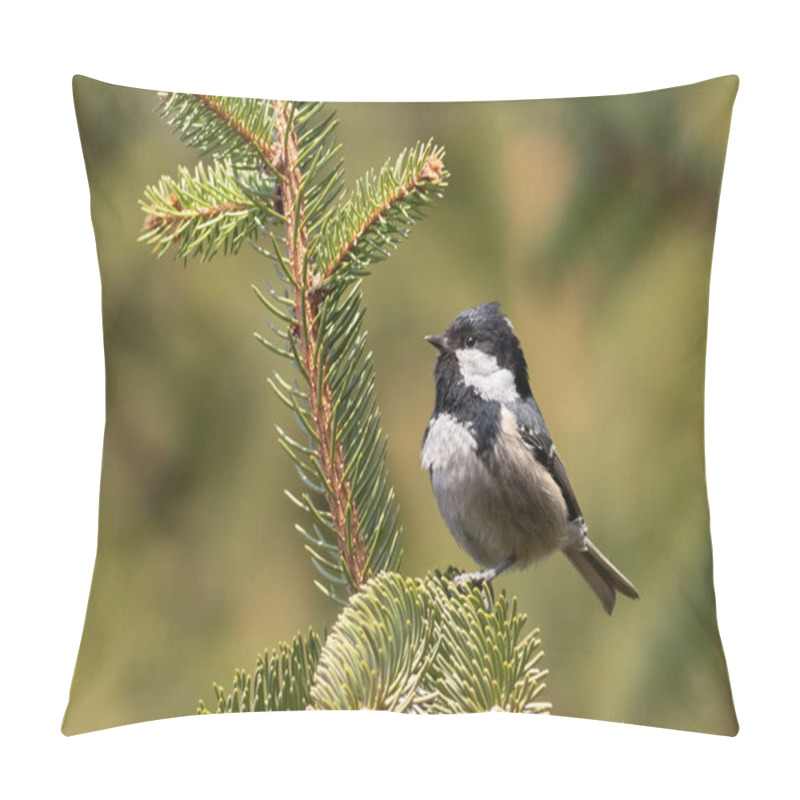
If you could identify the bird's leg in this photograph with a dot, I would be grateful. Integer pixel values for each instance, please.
(487, 576)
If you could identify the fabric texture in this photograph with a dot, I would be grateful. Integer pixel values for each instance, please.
(591, 220)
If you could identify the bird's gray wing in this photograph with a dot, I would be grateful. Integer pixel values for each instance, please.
(534, 433)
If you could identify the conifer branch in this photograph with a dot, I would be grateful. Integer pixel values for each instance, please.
(268, 151)
(405, 645)
(344, 511)
(402, 644)
(201, 212)
(281, 682)
(431, 169)
(274, 164)
(240, 127)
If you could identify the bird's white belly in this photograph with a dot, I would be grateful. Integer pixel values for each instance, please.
(516, 509)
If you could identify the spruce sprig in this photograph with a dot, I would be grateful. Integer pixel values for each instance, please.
(241, 127)
(380, 212)
(203, 212)
(408, 645)
(281, 682)
(275, 180)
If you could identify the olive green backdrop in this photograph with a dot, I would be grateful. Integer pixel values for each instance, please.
(592, 221)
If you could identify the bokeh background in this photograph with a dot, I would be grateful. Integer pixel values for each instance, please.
(592, 222)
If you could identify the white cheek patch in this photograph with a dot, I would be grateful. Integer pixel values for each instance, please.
(481, 371)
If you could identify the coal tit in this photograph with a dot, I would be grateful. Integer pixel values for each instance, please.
(501, 487)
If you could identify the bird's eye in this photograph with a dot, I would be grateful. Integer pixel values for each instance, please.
(470, 341)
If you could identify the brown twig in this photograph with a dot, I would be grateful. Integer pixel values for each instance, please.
(271, 152)
(282, 156)
(344, 513)
(154, 220)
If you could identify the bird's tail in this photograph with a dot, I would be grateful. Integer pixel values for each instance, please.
(604, 578)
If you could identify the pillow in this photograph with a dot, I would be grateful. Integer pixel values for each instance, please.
(591, 220)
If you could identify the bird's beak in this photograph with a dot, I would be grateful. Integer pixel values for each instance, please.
(439, 342)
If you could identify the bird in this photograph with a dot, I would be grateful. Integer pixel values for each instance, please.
(499, 482)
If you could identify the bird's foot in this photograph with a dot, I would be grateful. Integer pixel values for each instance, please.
(474, 578)
(487, 576)
(483, 579)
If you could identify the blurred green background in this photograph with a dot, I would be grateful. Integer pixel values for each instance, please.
(592, 221)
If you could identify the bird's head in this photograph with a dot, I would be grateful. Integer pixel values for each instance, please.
(480, 350)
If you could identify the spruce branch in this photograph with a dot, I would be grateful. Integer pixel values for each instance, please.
(402, 644)
(201, 212)
(343, 511)
(426, 646)
(374, 219)
(483, 662)
(406, 645)
(379, 650)
(241, 127)
(276, 173)
(281, 681)
(357, 534)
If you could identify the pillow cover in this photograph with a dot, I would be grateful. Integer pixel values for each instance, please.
(591, 220)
